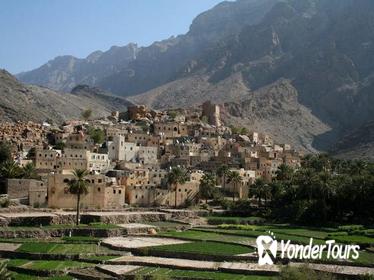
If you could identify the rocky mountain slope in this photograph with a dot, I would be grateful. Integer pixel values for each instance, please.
(23, 102)
(358, 144)
(238, 51)
(65, 72)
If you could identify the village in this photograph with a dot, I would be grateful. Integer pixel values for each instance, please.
(174, 194)
(128, 157)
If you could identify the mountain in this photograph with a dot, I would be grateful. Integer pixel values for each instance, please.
(24, 102)
(312, 58)
(65, 72)
(358, 144)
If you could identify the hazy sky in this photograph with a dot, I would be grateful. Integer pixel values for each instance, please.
(35, 31)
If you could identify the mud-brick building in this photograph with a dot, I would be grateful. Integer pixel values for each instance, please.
(103, 192)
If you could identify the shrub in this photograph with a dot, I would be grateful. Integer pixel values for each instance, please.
(350, 228)
(303, 272)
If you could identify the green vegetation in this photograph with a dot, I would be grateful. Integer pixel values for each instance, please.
(78, 186)
(323, 191)
(217, 220)
(97, 135)
(191, 274)
(21, 276)
(176, 176)
(205, 248)
(81, 239)
(4, 273)
(55, 265)
(62, 248)
(303, 272)
(86, 114)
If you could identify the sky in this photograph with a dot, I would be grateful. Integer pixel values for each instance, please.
(35, 31)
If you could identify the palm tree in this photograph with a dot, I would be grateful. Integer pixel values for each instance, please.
(222, 172)
(176, 176)
(10, 169)
(284, 172)
(4, 273)
(207, 184)
(78, 186)
(257, 189)
(28, 171)
(235, 179)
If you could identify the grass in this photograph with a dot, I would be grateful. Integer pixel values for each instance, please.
(166, 224)
(208, 236)
(55, 265)
(216, 220)
(21, 276)
(256, 233)
(191, 274)
(355, 239)
(205, 248)
(101, 258)
(58, 248)
(81, 239)
(47, 265)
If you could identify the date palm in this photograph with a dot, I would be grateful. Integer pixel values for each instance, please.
(234, 178)
(176, 176)
(222, 172)
(207, 184)
(78, 186)
(28, 171)
(4, 273)
(10, 169)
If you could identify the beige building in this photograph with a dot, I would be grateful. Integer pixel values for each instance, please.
(103, 193)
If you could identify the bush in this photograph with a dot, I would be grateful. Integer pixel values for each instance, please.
(350, 228)
(4, 202)
(303, 272)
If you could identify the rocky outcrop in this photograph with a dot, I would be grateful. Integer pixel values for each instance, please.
(22, 102)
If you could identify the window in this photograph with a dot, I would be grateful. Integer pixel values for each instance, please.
(100, 180)
(119, 191)
(114, 191)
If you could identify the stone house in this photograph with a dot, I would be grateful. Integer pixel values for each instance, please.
(103, 192)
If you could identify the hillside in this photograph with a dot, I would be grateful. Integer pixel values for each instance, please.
(23, 102)
(324, 48)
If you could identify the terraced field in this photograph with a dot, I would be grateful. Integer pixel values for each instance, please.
(197, 274)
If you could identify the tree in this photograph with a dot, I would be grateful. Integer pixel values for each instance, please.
(4, 273)
(222, 172)
(234, 178)
(97, 135)
(10, 169)
(284, 173)
(59, 145)
(86, 114)
(176, 176)
(207, 185)
(257, 189)
(5, 152)
(78, 186)
(29, 172)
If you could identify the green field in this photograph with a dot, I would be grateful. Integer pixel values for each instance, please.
(205, 248)
(47, 265)
(209, 236)
(197, 274)
(59, 248)
(217, 220)
(21, 276)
